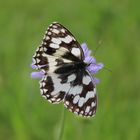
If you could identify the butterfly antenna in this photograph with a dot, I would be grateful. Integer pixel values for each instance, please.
(95, 51)
(107, 69)
(99, 45)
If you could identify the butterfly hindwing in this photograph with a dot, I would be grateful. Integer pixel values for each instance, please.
(81, 98)
(54, 86)
(49, 91)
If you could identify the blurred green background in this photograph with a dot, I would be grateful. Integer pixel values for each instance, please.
(24, 114)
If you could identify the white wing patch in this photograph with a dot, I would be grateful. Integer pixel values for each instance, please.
(56, 41)
(72, 77)
(76, 99)
(75, 51)
(54, 46)
(86, 80)
(67, 39)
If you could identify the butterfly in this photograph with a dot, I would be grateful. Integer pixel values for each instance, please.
(65, 75)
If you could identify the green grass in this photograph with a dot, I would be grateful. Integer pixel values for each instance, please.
(25, 115)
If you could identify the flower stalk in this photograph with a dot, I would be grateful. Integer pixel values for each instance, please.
(61, 130)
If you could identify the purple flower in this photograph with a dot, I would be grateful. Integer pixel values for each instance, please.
(37, 74)
(93, 67)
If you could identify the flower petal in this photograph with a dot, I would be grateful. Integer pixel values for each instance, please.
(33, 66)
(37, 74)
(94, 68)
(90, 60)
(87, 54)
(86, 51)
(95, 81)
(84, 46)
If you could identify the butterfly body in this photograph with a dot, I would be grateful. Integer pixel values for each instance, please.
(66, 78)
(71, 68)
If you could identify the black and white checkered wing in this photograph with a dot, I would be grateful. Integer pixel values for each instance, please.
(55, 87)
(58, 46)
(81, 98)
(79, 95)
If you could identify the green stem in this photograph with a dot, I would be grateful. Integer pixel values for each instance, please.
(62, 125)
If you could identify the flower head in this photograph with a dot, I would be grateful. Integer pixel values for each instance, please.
(93, 67)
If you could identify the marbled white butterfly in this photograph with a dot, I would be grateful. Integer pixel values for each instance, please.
(65, 74)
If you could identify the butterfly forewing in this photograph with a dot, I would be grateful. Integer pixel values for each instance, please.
(58, 43)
